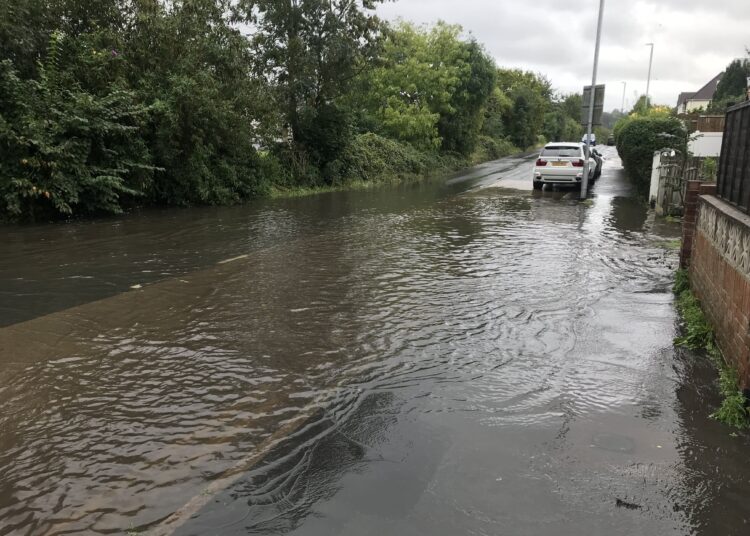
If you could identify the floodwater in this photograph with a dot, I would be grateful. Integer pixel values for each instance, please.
(450, 357)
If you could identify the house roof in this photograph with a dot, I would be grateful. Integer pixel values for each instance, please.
(707, 91)
(685, 95)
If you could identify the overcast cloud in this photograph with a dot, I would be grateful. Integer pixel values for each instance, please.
(694, 39)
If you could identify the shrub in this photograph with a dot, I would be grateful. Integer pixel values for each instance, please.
(203, 144)
(66, 151)
(371, 157)
(492, 148)
(638, 137)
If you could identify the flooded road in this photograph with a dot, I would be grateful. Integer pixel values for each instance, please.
(450, 357)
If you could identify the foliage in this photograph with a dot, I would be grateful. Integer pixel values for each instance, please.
(698, 334)
(410, 88)
(562, 122)
(429, 89)
(681, 281)
(489, 148)
(373, 158)
(530, 95)
(105, 104)
(602, 133)
(497, 107)
(460, 128)
(310, 51)
(641, 106)
(193, 68)
(733, 83)
(732, 87)
(697, 331)
(733, 410)
(638, 136)
(65, 149)
(710, 168)
(609, 119)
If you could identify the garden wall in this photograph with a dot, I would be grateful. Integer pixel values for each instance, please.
(717, 250)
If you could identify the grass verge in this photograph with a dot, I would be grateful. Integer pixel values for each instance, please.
(698, 334)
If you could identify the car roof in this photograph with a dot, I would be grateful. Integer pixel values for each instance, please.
(563, 144)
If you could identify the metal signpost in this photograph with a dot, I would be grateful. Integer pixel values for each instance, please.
(585, 178)
(648, 80)
(598, 105)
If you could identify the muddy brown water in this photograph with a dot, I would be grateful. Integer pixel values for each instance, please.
(459, 356)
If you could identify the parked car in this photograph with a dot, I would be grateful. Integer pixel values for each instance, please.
(611, 140)
(597, 161)
(560, 163)
(593, 139)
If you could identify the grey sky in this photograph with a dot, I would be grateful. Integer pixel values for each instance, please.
(695, 39)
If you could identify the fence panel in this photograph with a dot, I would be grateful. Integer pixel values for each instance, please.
(733, 179)
(710, 123)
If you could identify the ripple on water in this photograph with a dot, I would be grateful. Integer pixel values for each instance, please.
(473, 303)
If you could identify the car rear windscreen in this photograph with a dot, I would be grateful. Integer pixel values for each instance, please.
(562, 151)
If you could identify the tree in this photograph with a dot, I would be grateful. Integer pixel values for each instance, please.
(530, 95)
(641, 106)
(67, 150)
(309, 51)
(498, 106)
(192, 67)
(459, 129)
(429, 89)
(562, 120)
(733, 83)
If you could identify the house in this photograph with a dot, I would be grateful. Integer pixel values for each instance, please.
(689, 102)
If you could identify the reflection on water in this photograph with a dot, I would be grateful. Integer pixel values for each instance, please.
(446, 360)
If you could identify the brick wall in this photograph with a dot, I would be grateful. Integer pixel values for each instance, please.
(690, 216)
(719, 260)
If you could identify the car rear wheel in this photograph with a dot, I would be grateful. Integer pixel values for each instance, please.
(538, 185)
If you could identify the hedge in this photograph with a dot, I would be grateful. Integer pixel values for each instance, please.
(637, 138)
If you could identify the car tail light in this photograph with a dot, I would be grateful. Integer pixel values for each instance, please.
(578, 163)
(541, 162)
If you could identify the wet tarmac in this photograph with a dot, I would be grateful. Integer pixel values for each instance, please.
(461, 356)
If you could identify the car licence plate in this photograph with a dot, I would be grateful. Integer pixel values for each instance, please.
(560, 163)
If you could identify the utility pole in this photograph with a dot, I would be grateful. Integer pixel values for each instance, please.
(622, 107)
(586, 165)
(648, 80)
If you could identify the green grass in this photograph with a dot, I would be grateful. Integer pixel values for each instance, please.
(670, 244)
(304, 191)
(699, 335)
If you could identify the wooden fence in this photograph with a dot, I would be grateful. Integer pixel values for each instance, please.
(733, 178)
(702, 122)
(710, 123)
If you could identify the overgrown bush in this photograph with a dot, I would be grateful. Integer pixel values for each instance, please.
(65, 149)
(371, 157)
(638, 137)
(492, 148)
(202, 144)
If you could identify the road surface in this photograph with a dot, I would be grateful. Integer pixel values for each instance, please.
(461, 356)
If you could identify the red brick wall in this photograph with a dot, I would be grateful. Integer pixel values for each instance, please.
(694, 190)
(722, 284)
(688, 221)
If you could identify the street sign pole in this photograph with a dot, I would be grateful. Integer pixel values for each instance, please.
(585, 178)
(648, 80)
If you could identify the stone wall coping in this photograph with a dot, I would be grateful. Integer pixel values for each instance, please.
(727, 209)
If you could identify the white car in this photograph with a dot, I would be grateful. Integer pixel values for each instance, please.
(593, 139)
(561, 163)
